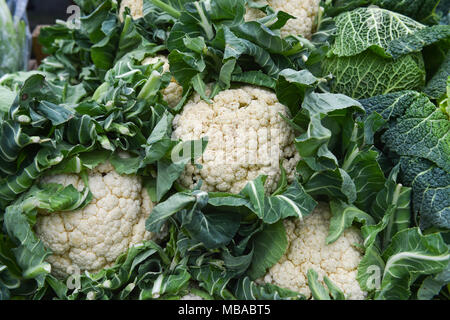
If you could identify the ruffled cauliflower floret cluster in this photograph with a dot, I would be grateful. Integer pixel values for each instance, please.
(136, 8)
(92, 238)
(304, 10)
(247, 138)
(174, 92)
(308, 250)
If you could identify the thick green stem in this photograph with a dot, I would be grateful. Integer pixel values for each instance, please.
(33, 272)
(101, 90)
(205, 23)
(390, 226)
(396, 195)
(348, 162)
(154, 67)
(126, 26)
(105, 143)
(167, 8)
(294, 50)
(120, 128)
(227, 295)
(30, 204)
(151, 87)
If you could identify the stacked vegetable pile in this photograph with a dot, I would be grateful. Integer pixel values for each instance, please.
(230, 149)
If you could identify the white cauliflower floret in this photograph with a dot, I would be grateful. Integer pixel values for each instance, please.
(307, 249)
(304, 10)
(247, 138)
(92, 238)
(155, 59)
(174, 92)
(136, 8)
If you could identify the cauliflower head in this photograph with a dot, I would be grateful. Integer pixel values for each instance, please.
(247, 138)
(136, 8)
(307, 249)
(173, 93)
(304, 10)
(92, 238)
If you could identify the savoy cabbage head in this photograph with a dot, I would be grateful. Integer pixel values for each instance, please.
(418, 133)
(377, 51)
(424, 11)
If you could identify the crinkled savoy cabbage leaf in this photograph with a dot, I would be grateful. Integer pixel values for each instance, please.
(370, 28)
(367, 74)
(419, 10)
(419, 132)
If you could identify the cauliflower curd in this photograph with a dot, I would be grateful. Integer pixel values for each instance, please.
(247, 138)
(174, 92)
(92, 238)
(307, 249)
(136, 8)
(304, 10)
